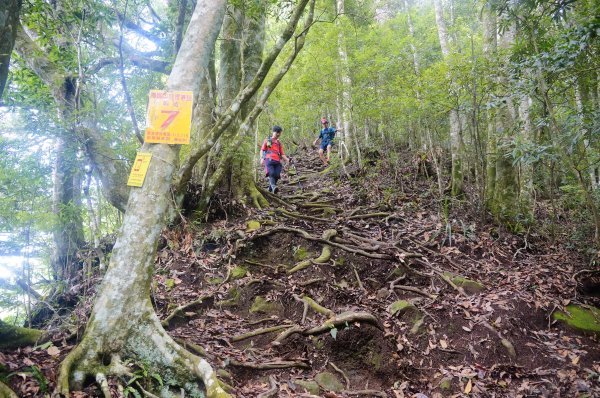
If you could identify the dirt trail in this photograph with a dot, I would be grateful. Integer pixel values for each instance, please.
(357, 286)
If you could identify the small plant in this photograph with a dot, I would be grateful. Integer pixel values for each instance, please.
(142, 380)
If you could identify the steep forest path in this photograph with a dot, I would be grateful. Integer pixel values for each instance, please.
(358, 287)
(353, 283)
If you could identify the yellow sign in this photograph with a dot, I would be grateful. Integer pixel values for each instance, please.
(169, 117)
(139, 169)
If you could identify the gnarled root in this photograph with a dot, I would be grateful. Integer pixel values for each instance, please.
(146, 342)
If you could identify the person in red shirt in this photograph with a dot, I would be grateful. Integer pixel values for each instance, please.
(271, 154)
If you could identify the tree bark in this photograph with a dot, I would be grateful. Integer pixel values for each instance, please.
(9, 20)
(15, 337)
(123, 323)
(456, 179)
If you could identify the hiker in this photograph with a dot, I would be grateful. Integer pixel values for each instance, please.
(326, 136)
(271, 154)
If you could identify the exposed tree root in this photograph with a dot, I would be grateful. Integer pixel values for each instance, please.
(370, 215)
(179, 310)
(311, 281)
(338, 321)
(414, 290)
(368, 393)
(272, 391)
(270, 365)
(257, 332)
(301, 216)
(340, 371)
(147, 342)
(505, 342)
(6, 392)
(308, 236)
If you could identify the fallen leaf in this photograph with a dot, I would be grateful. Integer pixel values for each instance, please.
(443, 344)
(53, 351)
(466, 329)
(469, 387)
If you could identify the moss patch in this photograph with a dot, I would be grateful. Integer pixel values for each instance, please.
(238, 272)
(301, 253)
(234, 299)
(252, 225)
(310, 386)
(580, 318)
(470, 286)
(262, 305)
(329, 381)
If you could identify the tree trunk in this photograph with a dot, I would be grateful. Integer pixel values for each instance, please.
(343, 70)
(15, 337)
(123, 323)
(9, 20)
(456, 179)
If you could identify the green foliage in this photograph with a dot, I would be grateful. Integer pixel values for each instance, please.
(142, 378)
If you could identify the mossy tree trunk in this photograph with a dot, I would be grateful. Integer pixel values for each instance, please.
(123, 324)
(14, 336)
(9, 20)
(241, 56)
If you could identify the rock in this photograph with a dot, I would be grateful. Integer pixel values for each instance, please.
(586, 319)
(310, 386)
(383, 293)
(409, 312)
(470, 286)
(329, 381)
(401, 307)
(262, 305)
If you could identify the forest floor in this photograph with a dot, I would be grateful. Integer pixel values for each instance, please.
(360, 286)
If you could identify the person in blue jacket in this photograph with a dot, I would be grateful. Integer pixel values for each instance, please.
(326, 135)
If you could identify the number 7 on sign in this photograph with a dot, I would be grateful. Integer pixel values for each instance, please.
(172, 115)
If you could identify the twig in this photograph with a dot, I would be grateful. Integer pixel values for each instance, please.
(358, 279)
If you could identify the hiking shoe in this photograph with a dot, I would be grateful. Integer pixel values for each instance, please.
(275, 190)
(269, 189)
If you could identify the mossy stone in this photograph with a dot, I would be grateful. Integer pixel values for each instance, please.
(252, 225)
(401, 307)
(260, 304)
(329, 381)
(410, 312)
(586, 319)
(238, 272)
(214, 281)
(470, 286)
(310, 386)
